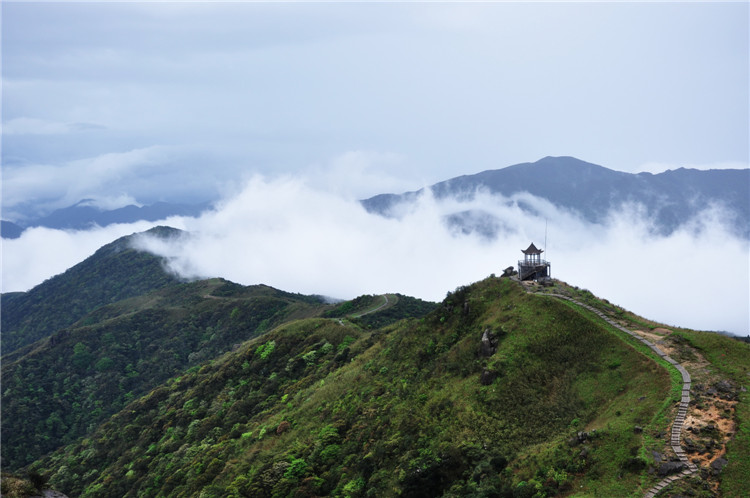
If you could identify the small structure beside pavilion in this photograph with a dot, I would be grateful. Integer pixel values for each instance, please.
(533, 267)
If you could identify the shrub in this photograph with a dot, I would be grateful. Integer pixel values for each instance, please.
(265, 350)
(309, 357)
(297, 468)
(354, 487)
(104, 364)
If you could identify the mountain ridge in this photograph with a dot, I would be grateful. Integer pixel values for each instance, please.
(81, 345)
(115, 271)
(670, 198)
(83, 215)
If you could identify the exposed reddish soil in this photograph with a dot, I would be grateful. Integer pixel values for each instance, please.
(707, 409)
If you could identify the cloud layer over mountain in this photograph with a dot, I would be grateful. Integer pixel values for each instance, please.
(296, 237)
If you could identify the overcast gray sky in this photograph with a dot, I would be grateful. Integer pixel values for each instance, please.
(179, 101)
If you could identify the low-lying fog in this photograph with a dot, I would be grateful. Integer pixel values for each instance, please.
(292, 236)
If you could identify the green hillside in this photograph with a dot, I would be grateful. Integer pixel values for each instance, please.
(122, 381)
(82, 345)
(114, 272)
(378, 311)
(548, 406)
(59, 388)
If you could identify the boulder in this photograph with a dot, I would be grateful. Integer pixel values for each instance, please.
(726, 390)
(724, 386)
(546, 282)
(710, 430)
(669, 468)
(488, 344)
(718, 465)
(487, 377)
(582, 437)
(508, 272)
(690, 445)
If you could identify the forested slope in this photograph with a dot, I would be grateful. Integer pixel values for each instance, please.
(114, 272)
(422, 408)
(60, 388)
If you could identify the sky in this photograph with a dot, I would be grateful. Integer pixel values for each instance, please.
(183, 101)
(286, 113)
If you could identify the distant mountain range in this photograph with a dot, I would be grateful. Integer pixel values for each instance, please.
(670, 199)
(84, 215)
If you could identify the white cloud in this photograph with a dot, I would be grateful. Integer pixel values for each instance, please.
(41, 253)
(75, 179)
(105, 177)
(697, 277)
(291, 236)
(285, 234)
(358, 174)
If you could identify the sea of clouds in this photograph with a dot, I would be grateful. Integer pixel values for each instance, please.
(300, 236)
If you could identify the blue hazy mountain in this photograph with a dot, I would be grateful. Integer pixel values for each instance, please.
(10, 230)
(670, 199)
(84, 215)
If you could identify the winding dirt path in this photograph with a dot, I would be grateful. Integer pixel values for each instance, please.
(385, 303)
(679, 421)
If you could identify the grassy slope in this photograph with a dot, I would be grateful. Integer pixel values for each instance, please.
(314, 407)
(360, 310)
(728, 359)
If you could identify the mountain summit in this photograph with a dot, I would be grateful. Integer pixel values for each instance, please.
(670, 199)
(116, 271)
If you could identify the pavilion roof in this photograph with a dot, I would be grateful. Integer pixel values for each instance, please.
(532, 250)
